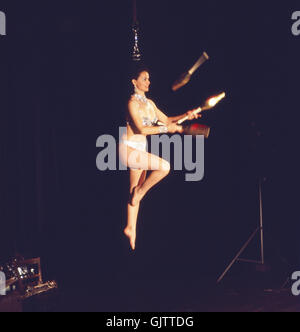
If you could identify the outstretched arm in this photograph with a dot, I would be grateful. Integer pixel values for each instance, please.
(173, 119)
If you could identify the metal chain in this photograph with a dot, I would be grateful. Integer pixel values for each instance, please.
(136, 55)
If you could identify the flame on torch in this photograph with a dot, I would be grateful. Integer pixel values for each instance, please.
(212, 102)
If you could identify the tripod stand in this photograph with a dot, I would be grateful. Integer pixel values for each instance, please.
(260, 230)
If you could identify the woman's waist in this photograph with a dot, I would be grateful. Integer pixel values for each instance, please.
(138, 143)
(136, 138)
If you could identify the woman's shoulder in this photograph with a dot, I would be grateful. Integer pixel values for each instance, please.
(152, 102)
(132, 102)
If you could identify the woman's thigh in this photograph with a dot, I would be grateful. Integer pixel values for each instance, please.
(142, 160)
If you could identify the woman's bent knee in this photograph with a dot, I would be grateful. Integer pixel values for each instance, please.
(166, 167)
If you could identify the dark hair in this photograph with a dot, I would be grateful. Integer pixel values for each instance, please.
(136, 72)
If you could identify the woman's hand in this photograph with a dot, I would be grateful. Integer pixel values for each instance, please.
(174, 128)
(192, 116)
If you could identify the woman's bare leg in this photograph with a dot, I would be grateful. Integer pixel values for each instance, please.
(144, 161)
(141, 190)
(155, 177)
(139, 185)
(137, 177)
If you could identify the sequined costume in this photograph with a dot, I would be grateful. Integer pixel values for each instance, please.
(147, 122)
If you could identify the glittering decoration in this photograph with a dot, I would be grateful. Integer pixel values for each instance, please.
(136, 55)
(141, 98)
(147, 122)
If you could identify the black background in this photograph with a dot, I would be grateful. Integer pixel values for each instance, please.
(65, 69)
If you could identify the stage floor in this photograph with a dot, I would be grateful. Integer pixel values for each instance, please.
(144, 299)
(180, 298)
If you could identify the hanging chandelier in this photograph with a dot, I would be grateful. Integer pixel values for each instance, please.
(136, 54)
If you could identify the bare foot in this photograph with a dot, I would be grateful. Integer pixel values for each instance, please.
(136, 196)
(131, 234)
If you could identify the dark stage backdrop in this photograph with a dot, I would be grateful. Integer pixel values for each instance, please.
(65, 81)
